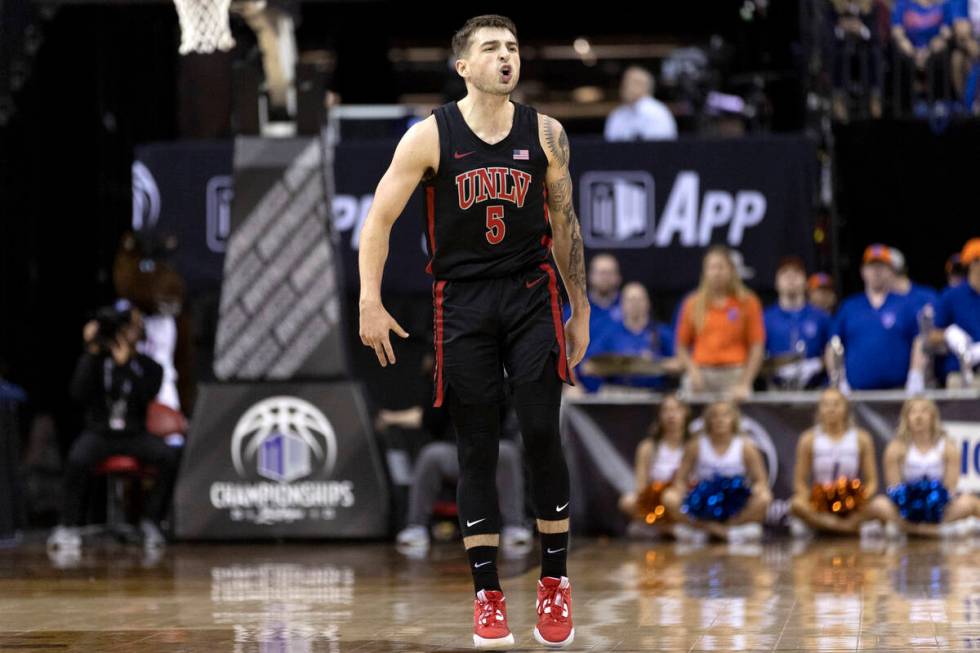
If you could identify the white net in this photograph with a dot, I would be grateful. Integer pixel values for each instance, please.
(204, 26)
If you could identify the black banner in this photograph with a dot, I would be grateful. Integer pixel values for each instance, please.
(185, 189)
(281, 461)
(657, 205)
(602, 439)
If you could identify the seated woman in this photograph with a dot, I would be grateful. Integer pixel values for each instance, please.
(731, 495)
(657, 458)
(922, 468)
(835, 474)
(637, 336)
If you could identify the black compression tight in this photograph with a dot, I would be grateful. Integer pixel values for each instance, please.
(478, 432)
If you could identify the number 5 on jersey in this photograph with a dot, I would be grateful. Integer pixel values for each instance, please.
(495, 224)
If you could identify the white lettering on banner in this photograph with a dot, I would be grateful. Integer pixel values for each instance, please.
(745, 209)
(310, 494)
(349, 214)
(716, 211)
(750, 209)
(617, 211)
(681, 213)
(967, 435)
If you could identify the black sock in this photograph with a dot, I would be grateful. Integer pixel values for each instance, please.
(483, 566)
(554, 553)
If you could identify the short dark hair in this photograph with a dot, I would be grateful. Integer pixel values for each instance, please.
(461, 39)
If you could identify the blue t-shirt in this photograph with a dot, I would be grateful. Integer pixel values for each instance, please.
(785, 328)
(655, 341)
(922, 24)
(959, 305)
(877, 342)
(601, 318)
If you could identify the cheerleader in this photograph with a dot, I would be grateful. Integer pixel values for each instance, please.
(656, 461)
(922, 469)
(731, 494)
(835, 474)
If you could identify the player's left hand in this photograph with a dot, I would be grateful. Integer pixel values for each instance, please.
(576, 338)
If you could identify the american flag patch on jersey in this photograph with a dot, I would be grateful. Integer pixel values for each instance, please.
(521, 155)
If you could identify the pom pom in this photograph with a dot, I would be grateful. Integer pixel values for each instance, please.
(717, 498)
(921, 501)
(649, 506)
(840, 497)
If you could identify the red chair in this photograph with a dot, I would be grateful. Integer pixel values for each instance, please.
(445, 510)
(119, 472)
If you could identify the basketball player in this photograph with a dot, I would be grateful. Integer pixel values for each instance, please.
(499, 219)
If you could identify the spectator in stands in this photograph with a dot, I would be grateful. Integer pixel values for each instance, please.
(821, 293)
(793, 326)
(640, 336)
(115, 384)
(958, 316)
(720, 332)
(834, 449)
(657, 458)
(877, 328)
(921, 450)
(922, 29)
(955, 271)
(604, 300)
(966, 56)
(918, 295)
(720, 451)
(854, 26)
(437, 465)
(641, 117)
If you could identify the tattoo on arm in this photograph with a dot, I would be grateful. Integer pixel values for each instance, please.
(560, 199)
(557, 142)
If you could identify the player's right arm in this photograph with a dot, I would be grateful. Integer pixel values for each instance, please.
(416, 156)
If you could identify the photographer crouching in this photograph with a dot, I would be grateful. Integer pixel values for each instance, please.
(115, 384)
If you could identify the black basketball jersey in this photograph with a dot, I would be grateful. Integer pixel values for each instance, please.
(486, 214)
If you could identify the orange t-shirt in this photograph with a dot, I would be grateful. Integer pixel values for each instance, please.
(729, 331)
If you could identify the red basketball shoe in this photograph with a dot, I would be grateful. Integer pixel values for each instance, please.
(554, 606)
(490, 628)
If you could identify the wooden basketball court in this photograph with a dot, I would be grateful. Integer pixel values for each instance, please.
(825, 595)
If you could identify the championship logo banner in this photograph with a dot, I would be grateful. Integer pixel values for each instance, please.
(293, 460)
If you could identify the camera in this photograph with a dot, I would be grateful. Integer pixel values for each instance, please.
(111, 320)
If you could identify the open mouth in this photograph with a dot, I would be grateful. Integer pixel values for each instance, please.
(506, 72)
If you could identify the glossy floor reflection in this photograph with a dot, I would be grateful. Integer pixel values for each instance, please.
(827, 595)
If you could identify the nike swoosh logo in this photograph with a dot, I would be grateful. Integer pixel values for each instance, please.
(480, 564)
(532, 284)
(557, 509)
(459, 155)
(474, 523)
(556, 550)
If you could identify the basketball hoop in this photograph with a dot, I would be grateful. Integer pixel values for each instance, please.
(204, 26)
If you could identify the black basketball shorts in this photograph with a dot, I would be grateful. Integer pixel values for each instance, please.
(485, 326)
